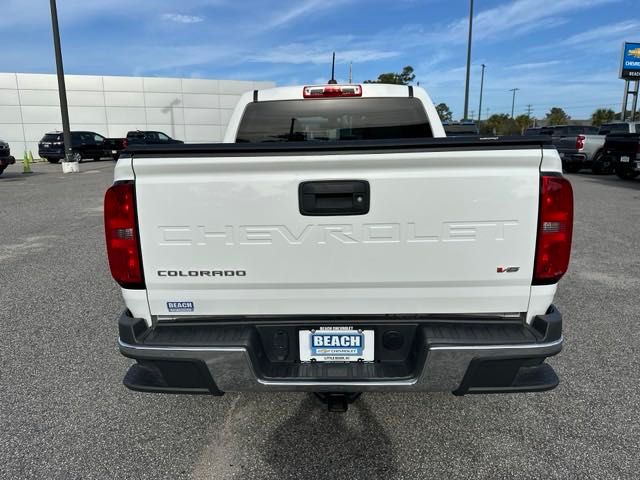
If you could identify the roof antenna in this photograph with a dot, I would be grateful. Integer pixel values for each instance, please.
(333, 71)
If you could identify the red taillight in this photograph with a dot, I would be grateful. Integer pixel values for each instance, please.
(332, 91)
(555, 228)
(579, 142)
(123, 248)
(125, 143)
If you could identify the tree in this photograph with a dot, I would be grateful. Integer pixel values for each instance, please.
(444, 112)
(403, 78)
(557, 116)
(523, 122)
(499, 124)
(602, 115)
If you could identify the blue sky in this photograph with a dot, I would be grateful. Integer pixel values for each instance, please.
(558, 52)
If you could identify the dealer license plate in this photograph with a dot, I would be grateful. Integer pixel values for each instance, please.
(336, 344)
(624, 159)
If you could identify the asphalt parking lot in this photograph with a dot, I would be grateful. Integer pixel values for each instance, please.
(65, 414)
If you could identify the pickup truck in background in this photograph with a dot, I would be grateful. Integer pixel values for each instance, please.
(460, 129)
(337, 243)
(560, 132)
(623, 151)
(5, 156)
(587, 151)
(84, 144)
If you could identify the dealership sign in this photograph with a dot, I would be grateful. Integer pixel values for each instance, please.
(630, 65)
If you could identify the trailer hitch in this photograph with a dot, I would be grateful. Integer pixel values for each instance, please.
(337, 402)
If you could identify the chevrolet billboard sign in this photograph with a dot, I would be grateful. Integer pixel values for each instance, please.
(630, 64)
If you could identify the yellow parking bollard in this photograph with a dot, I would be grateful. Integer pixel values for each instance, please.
(26, 163)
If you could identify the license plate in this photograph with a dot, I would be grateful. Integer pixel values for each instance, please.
(624, 159)
(336, 344)
(113, 152)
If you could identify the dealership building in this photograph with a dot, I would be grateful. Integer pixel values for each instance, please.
(189, 109)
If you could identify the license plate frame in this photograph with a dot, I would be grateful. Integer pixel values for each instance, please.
(336, 345)
(625, 159)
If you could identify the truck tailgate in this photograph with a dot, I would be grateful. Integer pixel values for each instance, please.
(447, 232)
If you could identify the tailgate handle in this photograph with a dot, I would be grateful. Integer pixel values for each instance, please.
(334, 197)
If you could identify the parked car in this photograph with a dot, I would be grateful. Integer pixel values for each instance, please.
(339, 242)
(623, 151)
(459, 129)
(150, 137)
(538, 131)
(84, 144)
(586, 150)
(5, 156)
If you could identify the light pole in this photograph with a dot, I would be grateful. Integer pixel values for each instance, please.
(466, 88)
(513, 102)
(62, 90)
(481, 90)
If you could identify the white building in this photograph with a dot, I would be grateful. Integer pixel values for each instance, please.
(193, 110)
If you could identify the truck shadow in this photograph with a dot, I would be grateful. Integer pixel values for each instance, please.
(318, 443)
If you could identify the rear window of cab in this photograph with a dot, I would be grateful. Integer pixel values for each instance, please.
(334, 119)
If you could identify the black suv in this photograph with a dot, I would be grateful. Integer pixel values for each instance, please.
(5, 156)
(149, 137)
(84, 145)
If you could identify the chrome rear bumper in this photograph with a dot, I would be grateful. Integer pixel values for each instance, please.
(445, 367)
(438, 355)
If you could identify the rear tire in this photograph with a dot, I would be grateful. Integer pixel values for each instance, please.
(598, 166)
(626, 174)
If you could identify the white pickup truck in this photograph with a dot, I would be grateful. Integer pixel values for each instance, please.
(339, 243)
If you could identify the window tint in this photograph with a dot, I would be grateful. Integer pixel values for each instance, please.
(151, 136)
(559, 131)
(52, 137)
(135, 135)
(333, 119)
(163, 137)
(98, 138)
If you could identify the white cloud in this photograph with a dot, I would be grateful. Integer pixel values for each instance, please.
(604, 32)
(299, 9)
(180, 18)
(318, 53)
(517, 17)
(533, 65)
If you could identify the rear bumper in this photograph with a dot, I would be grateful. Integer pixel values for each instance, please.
(53, 154)
(7, 160)
(569, 156)
(454, 356)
